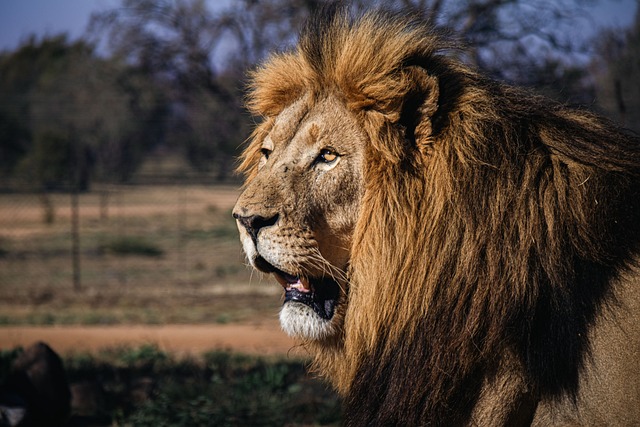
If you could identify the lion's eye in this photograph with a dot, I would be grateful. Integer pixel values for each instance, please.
(327, 156)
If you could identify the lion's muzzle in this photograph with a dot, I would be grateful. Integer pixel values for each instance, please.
(310, 299)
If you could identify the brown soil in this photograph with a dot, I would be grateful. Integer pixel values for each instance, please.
(264, 338)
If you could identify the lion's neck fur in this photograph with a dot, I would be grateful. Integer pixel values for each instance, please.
(479, 248)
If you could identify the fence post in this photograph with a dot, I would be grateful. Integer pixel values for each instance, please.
(77, 165)
(75, 239)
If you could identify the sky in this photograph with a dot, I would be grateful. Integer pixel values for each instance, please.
(21, 18)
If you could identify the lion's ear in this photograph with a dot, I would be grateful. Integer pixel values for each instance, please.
(419, 105)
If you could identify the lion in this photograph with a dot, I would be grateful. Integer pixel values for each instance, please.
(453, 250)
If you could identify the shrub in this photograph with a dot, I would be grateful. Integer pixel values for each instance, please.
(130, 245)
(143, 386)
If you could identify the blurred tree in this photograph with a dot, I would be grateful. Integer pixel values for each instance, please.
(112, 112)
(64, 108)
(198, 55)
(14, 140)
(200, 58)
(534, 43)
(171, 43)
(67, 116)
(20, 73)
(617, 70)
(256, 28)
(49, 161)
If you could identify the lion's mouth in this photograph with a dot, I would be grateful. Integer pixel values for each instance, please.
(320, 294)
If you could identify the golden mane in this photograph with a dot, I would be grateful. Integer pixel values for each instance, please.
(492, 219)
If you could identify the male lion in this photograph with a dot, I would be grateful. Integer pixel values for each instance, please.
(453, 251)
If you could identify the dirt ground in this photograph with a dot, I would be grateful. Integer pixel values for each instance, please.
(264, 338)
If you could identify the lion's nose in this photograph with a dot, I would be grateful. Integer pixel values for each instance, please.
(254, 223)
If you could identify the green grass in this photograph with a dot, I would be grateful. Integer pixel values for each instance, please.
(228, 231)
(144, 386)
(142, 310)
(132, 245)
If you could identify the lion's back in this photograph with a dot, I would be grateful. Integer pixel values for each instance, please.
(609, 391)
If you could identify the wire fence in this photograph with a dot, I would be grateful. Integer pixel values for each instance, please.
(119, 236)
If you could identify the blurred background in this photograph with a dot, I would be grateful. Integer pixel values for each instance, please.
(120, 125)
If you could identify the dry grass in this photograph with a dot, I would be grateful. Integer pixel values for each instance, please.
(160, 254)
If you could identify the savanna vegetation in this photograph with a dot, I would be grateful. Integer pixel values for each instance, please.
(158, 254)
(144, 386)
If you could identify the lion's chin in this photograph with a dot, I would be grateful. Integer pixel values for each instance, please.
(301, 321)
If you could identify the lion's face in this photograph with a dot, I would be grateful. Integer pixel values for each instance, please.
(297, 214)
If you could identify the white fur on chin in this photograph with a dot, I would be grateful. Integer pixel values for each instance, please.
(300, 321)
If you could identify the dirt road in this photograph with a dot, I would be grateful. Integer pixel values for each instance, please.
(264, 338)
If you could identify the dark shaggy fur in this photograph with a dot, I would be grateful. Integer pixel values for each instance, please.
(493, 221)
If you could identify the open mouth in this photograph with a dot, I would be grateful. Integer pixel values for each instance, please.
(320, 294)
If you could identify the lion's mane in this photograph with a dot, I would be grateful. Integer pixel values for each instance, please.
(492, 220)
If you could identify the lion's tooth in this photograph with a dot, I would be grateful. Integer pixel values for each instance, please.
(304, 283)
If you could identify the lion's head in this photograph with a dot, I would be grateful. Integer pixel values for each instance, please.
(426, 223)
(298, 213)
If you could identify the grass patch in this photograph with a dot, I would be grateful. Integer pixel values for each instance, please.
(227, 231)
(4, 247)
(157, 255)
(132, 245)
(144, 386)
(147, 356)
(242, 390)
(111, 307)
